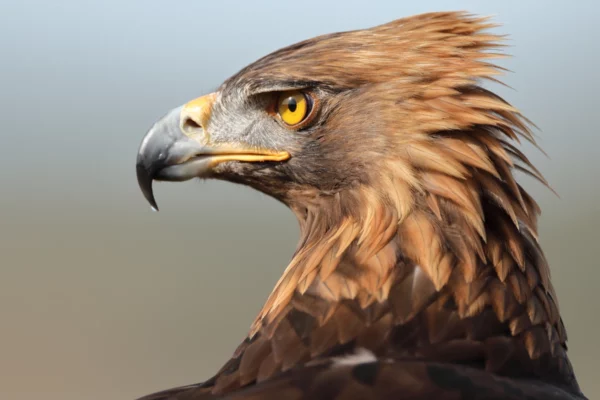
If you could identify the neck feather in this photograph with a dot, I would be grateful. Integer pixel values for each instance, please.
(456, 252)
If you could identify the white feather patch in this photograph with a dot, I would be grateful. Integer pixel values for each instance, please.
(360, 356)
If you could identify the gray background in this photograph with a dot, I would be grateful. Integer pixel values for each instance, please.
(100, 298)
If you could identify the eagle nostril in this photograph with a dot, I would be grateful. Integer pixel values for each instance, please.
(190, 126)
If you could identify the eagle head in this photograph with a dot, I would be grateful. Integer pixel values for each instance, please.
(373, 109)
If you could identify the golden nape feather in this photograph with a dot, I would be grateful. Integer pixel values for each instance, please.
(419, 273)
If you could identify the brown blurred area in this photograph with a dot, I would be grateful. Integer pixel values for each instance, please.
(102, 298)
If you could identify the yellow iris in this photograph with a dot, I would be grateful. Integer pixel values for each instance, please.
(292, 107)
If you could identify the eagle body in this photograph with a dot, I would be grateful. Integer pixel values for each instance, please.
(418, 274)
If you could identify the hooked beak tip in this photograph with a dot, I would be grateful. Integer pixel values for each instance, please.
(145, 178)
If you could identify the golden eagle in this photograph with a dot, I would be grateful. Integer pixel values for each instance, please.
(418, 274)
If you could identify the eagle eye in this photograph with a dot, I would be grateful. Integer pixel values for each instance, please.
(294, 108)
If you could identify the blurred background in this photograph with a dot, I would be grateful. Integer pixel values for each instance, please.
(101, 298)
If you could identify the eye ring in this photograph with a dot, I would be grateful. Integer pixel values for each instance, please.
(295, 109)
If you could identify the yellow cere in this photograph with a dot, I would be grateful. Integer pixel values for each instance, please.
(292, 107)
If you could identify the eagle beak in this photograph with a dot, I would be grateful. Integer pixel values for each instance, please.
(177, 148)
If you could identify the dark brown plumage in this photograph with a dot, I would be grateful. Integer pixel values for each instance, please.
(418, 274)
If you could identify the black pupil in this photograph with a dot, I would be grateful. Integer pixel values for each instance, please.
(292, 104)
